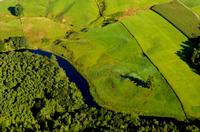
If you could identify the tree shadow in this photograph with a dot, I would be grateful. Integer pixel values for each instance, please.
(186, 53)
(12, 11)
(136, 81)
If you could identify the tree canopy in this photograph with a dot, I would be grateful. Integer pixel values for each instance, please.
(36, 95)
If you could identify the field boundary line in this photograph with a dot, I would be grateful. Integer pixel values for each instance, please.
(179, 29)
(182, 106)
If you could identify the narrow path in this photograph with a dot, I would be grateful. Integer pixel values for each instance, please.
(156, 68)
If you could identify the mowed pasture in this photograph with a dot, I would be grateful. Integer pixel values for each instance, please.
(161, 42)
(37, 29)
(196, 9)
(72, 12)
(37, 8)
(191, 3)
(123, 5)
(180, 16)
(107, 54)
(9, 26)
(5, 4)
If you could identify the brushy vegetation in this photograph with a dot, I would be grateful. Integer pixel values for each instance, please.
(180, 16)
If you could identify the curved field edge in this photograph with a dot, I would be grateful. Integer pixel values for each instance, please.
(167, 41)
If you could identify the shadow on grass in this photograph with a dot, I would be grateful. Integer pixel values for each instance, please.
(11, 9)
(186, 53)
(137, 81)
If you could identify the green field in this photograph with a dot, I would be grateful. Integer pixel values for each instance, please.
(131, 63)
(184, 19)
(33, 8)
(124, 5)
(191, 3)
(9, 26)
(161, 49)
(72, 12)
(120, 55)
(196, 9)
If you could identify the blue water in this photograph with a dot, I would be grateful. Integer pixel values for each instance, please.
(74, 76)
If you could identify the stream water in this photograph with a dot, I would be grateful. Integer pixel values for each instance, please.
(74, 76)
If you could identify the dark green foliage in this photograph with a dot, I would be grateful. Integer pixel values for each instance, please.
(33, 90)
(102, 6)
(196, 56)
(16, 42)
(18, 10)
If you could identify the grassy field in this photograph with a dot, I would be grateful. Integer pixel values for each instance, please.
(161, 47)
(34, 8)
(191, 3)
(114, 53)
(9, 26)
(72, 12)
(124, 5)
(196, 9)
(184, 19)
(5, 4)
(42, 28)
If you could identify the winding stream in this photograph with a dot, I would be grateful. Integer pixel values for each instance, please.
(74, 76)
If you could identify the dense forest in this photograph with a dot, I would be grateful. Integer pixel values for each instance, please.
(36, 95)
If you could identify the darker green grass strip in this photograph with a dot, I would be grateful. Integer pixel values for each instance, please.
(156, 68)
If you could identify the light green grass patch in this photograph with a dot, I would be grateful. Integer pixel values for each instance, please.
(123, 5)
(191, 3)
(196, 9)
(38, 28)
(161, 41)
(77, 13)
(34, 7)
(9, 26)
(5, 4)
(180, 16)
(104, 55)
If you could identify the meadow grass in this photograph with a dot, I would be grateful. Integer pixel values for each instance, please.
(123, 5)
(38, 28)
(107, 53)
(78, 14)
(196, 9)
(33, 8)
(161, 42)
(191, 3)
(9, 26)
(180, 16)
(5, 4)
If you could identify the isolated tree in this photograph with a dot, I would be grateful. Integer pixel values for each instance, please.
(149, 81)
(18, 10)
(196, 56)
